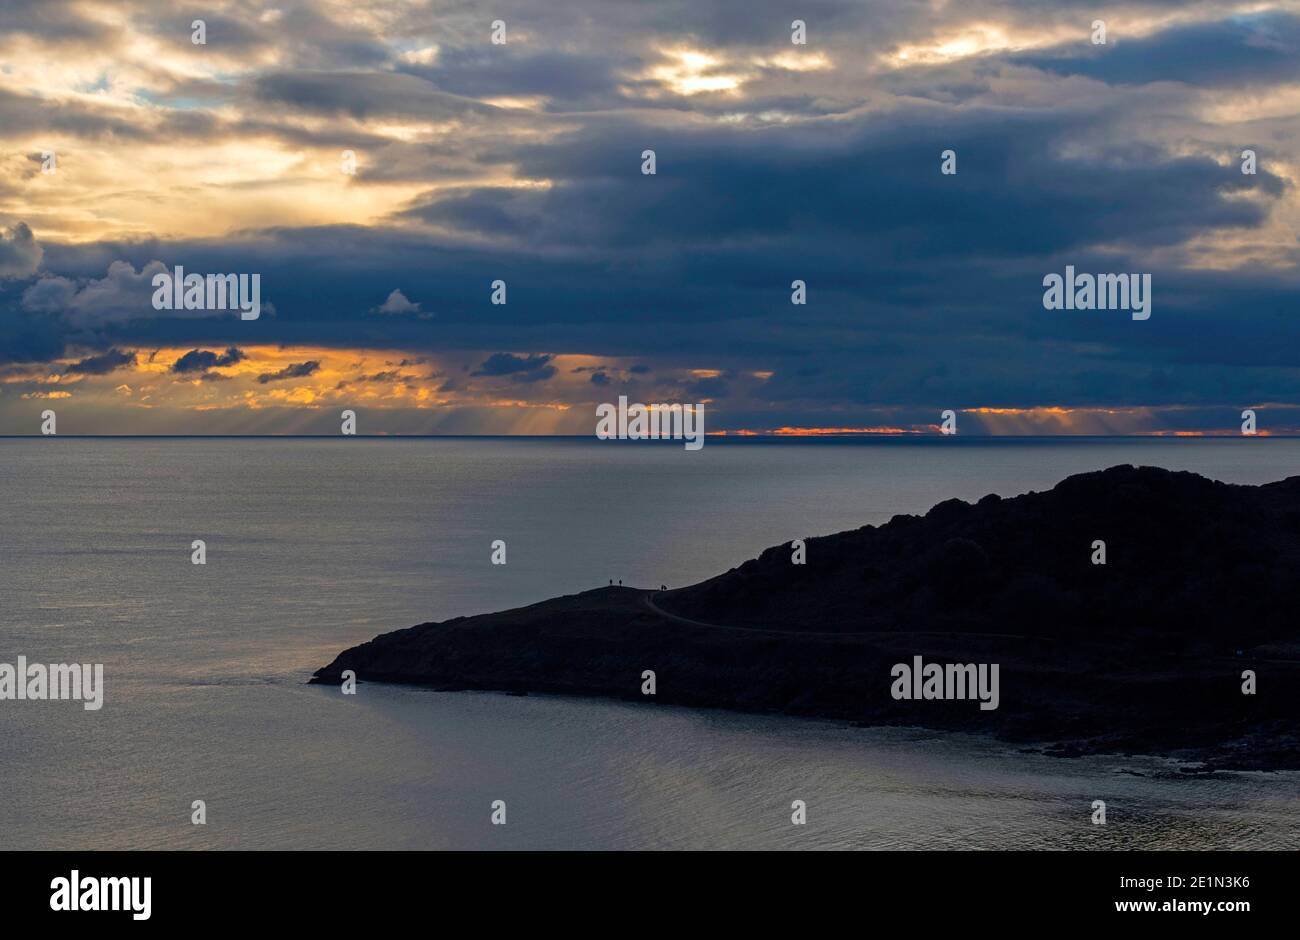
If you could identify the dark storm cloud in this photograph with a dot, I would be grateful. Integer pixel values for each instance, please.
(21, 113)
(378, 378)
(876, 182)
(296, 370)
(533, 368)
(720, 23)
(20, 254)
(923, 289)
(362, 95)
(1241, 50)
(56, 21)
(28, 113)
(299, 35)
(104, 363)
(25, 338)
(200, 360)
(880, 325)
(711, 387)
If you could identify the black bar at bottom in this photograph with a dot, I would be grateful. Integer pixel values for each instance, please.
(326, 890)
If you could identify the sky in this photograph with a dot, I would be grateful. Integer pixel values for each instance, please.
(380, 165)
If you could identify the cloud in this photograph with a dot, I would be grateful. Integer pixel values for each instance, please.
(200, 360)
(522, 162)
(362, 95)
(294, 370)
(575, 78)
(397, 304)
(122, 294)
(55, 21)
(1228, 53)
(712, 387)
(49, 295)
(104, 363)
(20, 255)
(1011, 165)
(532, 368)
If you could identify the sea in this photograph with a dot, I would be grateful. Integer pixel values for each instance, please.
(316, 544)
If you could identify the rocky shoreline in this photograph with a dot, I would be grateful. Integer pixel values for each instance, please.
(1143, 654)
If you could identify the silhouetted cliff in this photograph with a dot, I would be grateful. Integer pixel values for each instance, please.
(1142, 654)
(1189, 563)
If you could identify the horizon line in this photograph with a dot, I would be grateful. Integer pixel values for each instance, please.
(733, 437)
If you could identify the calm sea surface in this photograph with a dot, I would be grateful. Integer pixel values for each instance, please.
(314, 545)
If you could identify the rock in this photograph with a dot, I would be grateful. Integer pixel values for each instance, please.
(1142, 655)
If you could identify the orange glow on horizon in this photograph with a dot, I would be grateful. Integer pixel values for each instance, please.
(818, 432)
